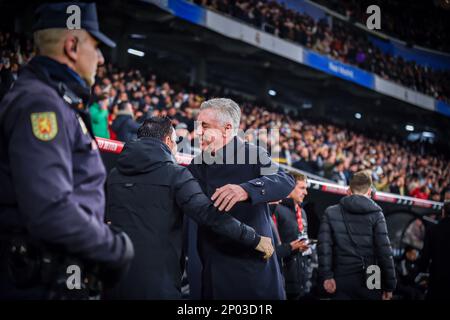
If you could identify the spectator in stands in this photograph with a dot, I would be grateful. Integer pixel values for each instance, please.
(383, 183)
(305, 163)
(340, 175)
(6, 76)
(99, 117)
(414, 183)
(447, 195)
(124, 124)
(435, 196)
(111, 117)
(421, 192)
(398, 186)
(184, 137)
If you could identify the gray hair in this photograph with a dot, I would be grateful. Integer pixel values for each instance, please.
(227, 111)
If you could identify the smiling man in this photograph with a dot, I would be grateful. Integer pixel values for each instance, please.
(241, 179)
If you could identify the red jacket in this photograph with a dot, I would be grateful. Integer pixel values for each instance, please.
(417, 193)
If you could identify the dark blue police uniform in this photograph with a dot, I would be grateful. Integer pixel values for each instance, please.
(51, 173)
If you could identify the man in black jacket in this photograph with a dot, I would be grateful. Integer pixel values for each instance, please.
(436, 258)
(291, 224)
(147, 196)
(353, 236)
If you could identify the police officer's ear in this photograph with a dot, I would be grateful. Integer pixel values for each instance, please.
(70, 47)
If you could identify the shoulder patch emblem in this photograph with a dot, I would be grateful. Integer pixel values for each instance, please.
(45, 125)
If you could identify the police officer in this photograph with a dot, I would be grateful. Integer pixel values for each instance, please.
(51, 174)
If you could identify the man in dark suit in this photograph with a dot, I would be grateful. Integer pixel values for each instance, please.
(241, 179)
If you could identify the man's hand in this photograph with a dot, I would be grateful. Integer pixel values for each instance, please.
(329, 285)
(386, 295)
(226, 197)
(299, 245)
(265, 246)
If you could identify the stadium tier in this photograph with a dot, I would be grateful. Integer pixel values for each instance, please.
(344, 50)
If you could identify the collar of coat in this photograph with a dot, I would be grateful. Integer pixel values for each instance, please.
(288, 203)
(125, 113)
(54, 72)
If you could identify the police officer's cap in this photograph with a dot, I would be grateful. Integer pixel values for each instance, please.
(55, 15)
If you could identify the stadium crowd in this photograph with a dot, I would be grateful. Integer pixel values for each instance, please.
(14, 52)
(124, 99)
(421, 22)
(340, 40)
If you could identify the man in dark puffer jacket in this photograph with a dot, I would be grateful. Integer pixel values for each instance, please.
(340, 260)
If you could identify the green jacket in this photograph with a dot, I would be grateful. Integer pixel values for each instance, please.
(99, 119)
